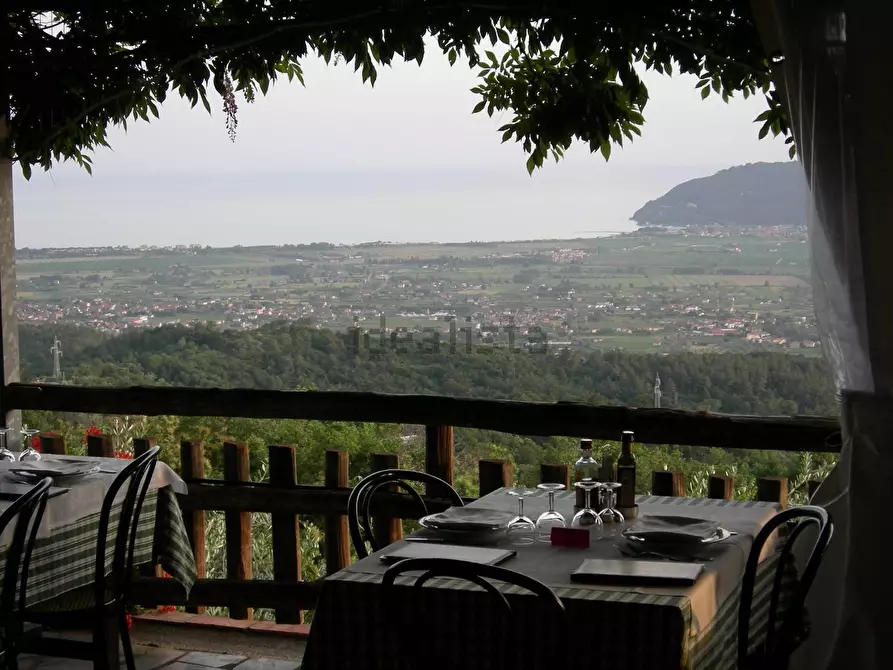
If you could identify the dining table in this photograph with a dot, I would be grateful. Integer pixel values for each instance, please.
(64, 554)
(647, 627)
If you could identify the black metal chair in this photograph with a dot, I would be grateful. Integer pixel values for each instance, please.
(783, 635)
(104, 603)
(360, 501)
(486, 634)
(27, 511)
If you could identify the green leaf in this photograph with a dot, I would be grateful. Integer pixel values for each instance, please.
(451, 56)
(764, 130)
(479, 107)
(606, 150)
(531, 164)
(705, 92)
(503, 36)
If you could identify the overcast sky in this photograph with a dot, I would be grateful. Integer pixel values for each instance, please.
(339, 161)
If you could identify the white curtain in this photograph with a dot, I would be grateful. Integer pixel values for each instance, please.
(837, 81)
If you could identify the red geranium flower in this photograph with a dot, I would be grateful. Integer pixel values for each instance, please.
(35, 443)
(119, 453)
(92, 430)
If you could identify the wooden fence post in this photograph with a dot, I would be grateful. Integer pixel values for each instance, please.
(386, 529)
(773, 489)
(555, 474)
(52, 444)
(439, 456)
(286, 530)
(192, 466)
(494, 474)
(100, 445)
(337, 535)
(236, 468)
(142, 444)
(721, 487)
(668, 483)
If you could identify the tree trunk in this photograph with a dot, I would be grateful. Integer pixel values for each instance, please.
(9, 331)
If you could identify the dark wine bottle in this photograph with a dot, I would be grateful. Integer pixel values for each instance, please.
(626, 471)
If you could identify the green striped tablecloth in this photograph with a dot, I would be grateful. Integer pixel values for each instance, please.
(642, 628)
(65, 560)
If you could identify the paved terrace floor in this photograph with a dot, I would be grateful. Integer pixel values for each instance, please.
(155, 658)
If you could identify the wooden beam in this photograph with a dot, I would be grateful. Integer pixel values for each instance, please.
(668, 483)
(236, 468)
(493, 475)
(101, 445)
(52, 444)
(142, 444)
(773, 489)
(232, 593)
(286, 531)
(555, 474)
(337, 534)
(192, 466)
(721, 487)
(439, 455)
(9, 327)
(309, 500)
(387, 527)
(651, 425)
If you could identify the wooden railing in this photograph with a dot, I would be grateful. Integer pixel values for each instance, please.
(604, 422)
(237, 497)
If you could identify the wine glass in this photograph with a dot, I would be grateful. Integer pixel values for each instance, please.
(29, 453)
(551, 519)
(587, 516)
(5, 453)
(610, 514)
(521, 530)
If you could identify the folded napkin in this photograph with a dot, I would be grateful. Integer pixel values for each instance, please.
(469, 518)
(673, 529)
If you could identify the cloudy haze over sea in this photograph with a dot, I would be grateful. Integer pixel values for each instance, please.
(340, 162)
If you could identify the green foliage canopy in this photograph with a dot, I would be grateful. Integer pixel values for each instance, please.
(69, 69)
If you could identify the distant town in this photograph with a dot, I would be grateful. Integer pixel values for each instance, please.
(657, 289)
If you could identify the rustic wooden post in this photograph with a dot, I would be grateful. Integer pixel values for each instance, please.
(668, 483)
(721, 487)
(100, 445)
(192, 466)
(555, 474)
(773, 489)
(494, 474)
(52, 444)
(236, 468)
(286, 530)
(812, 486)
(142, 444)
(386, 529)
(9, 327)
(439, 456)
(337, 535)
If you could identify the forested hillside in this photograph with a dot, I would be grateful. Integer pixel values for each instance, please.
(757, 194)
(288, 356)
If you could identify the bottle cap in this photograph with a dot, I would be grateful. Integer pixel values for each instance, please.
(585, 444)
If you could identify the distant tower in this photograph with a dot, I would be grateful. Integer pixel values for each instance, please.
(56, 350)
(657, 393)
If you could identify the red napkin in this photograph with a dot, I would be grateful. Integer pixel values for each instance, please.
(576, 538)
